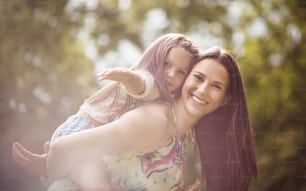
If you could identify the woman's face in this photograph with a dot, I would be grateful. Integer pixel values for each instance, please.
(205, 87)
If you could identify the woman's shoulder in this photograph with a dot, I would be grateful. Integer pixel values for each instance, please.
(156, 120)
(153, 113)
(156, 104)
(158, 114)
(157, 109)
(147, 126)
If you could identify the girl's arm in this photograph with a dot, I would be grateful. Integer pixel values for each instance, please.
(142, 129)
(138, 83)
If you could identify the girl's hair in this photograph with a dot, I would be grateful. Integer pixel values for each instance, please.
(153, 60)
(225, 137)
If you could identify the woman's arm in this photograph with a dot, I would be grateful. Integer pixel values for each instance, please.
(142, 129)
(29, 161)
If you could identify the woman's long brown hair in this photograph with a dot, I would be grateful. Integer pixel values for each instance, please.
(225, 137)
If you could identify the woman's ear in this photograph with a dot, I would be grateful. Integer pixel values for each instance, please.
(226, 99)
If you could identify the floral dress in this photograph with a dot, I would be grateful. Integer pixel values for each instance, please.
(159, 170)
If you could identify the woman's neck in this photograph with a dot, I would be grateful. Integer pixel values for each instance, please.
(184, 120)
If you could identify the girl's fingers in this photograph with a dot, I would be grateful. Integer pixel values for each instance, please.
(114, 74)
(102, 75)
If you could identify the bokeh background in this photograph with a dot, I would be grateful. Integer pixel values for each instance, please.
(51, 51)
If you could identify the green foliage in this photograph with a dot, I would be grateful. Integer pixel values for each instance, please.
(44, 74)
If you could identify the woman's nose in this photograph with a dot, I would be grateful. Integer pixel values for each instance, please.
(203, 87)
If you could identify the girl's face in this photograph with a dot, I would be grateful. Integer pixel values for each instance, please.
(177, 66)
(205, 87)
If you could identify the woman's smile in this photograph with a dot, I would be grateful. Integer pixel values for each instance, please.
(198, 100)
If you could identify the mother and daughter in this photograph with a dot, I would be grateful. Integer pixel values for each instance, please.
(132, 134)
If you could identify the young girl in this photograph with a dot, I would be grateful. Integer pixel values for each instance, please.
(160, 73)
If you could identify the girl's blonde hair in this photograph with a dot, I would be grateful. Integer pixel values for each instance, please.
(153, 60)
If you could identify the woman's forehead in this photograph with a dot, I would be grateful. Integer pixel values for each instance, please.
(213, 69)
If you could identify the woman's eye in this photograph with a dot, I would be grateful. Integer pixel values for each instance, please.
(217, 87)
(197, 77)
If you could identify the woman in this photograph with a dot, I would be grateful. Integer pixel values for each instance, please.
(143, 149)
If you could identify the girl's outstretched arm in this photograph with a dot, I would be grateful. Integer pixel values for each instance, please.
(131, 80)
(137, 83)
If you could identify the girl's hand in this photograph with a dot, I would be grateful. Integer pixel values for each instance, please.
(119, 74)
(131, 80)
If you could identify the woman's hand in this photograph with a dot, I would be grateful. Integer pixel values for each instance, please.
(29, 161)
